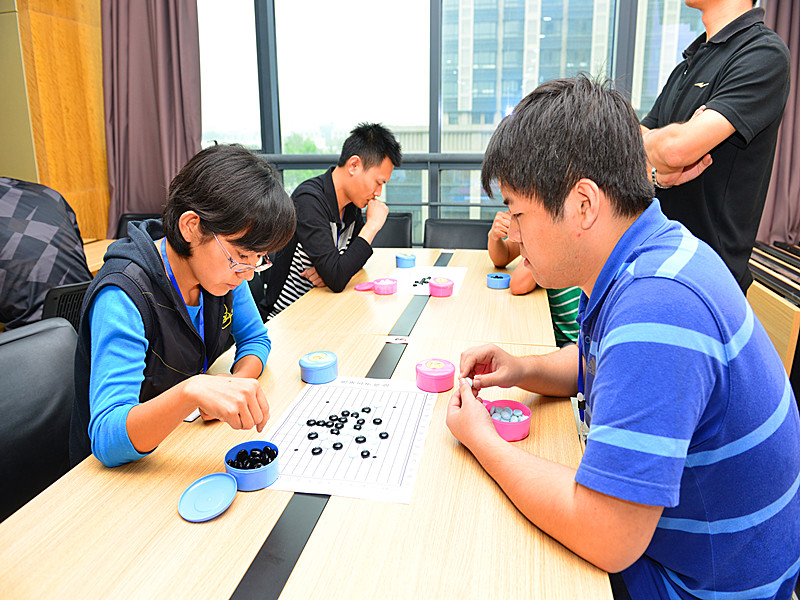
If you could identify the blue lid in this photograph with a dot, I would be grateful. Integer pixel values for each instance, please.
(208, 497)
(318, 367)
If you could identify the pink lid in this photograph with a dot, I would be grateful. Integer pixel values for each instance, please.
(386, 286)
(435, 375)
(440, 287)
(364, 287)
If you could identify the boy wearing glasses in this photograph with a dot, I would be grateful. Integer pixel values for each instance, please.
(166, 301)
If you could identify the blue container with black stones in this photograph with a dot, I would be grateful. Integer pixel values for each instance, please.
(249, 480)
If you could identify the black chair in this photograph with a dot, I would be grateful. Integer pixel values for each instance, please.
(65, 301)
(395, 233)
(122, 226)
(470, 234)
(36, 395)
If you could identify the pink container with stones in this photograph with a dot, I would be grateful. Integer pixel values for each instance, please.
(385, 287)
(441, 287)
(511, 432)
(435, 375)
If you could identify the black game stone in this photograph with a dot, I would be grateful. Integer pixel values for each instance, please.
(365, 454)
(311, 422)
(360, 439)
(383, 435)
(338, 446)
(313, 435)
(316, 450)
(366, 409)
(377, 420)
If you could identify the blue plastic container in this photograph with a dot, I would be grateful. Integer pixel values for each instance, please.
(498, 281)
(319, 367)
(249, 480)
(405, 260)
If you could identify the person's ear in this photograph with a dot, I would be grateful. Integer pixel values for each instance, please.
(189, 225)
(586, 201)
(354, 164)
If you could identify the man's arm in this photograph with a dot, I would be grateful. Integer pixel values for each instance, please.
(608, 532)
(317, 238)
(680, 151)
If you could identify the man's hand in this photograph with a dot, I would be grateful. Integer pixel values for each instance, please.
(312, 275)
(684, 174)
(467, 418)
(490, 366)
(502, 221)
(377, 212)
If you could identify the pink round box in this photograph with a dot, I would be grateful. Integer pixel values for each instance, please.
(511, 432)
(440, 287)
(385, 287)
(435, 375)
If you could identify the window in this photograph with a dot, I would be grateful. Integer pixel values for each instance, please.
(491, 53)
(386, 79)
(563, 43)
(229, 73)
(664, 28)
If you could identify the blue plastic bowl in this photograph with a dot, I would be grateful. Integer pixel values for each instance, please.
(249, 480)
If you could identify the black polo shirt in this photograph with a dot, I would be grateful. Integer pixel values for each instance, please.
(742, 73)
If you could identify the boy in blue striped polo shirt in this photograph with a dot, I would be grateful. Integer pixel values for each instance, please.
(689, 482)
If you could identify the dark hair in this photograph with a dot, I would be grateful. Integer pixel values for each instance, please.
(565, 130)
(371, 142)
(235, 193)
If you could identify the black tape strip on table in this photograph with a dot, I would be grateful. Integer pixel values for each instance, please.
(270, 570)
(271, 567)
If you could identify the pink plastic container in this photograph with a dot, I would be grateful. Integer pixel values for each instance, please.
(441, 287)
(435, 375)
(385, 287)
(364, 287)
(511, 432)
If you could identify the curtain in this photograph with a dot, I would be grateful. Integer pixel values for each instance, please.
(781, 219)
(151, 83)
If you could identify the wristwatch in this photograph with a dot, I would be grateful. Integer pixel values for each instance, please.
(653, 176)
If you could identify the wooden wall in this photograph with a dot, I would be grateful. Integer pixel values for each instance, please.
(62, 52)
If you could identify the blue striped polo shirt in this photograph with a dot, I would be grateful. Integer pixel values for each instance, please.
(690, 408)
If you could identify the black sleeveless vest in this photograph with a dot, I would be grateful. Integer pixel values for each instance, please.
(175, 350)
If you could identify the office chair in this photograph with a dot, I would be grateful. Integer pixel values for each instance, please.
(469, 234)
(395, 233)
(65, 301)
(36, 395)
(122, 226)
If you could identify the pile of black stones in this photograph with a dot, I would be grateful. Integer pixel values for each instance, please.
(255, 459)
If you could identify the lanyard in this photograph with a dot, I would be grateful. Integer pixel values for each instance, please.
(201, 323)
(581, 399)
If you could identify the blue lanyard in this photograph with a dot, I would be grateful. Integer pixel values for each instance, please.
(200, 326)
(581, 399)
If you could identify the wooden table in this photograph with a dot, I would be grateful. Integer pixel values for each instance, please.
(116, 533)
(95, 250)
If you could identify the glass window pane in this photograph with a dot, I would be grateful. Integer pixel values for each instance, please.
(407, 191)
(294, 177)
(462, 196)
(494, 52)
(664, 28)
(340, 64)
(229, 73)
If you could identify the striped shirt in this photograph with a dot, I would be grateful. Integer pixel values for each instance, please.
(564, 314)
(691, 409)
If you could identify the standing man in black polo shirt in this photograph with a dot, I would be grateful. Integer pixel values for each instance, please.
(332, 241)
(710, 136)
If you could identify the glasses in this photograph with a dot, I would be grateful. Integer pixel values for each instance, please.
(238, 267)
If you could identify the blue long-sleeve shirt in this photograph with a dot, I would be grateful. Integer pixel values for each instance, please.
(119, 347)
